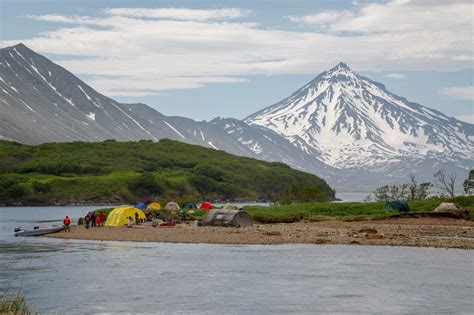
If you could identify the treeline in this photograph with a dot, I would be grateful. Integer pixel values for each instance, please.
(110, 171)
(443, 182)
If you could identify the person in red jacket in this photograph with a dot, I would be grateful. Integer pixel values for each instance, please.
(102, 218)
(66, 222)
(97, 220)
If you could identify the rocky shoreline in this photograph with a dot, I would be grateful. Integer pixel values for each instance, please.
(418, 232)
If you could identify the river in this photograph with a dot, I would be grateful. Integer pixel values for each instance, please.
(71, 276)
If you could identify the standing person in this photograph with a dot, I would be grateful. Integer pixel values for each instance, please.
(102, 218)
(137, 219)
(97, 220)
(93, 217)
(66, 222)
(87, 220)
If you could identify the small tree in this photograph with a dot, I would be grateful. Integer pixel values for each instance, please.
(423, 191)
(391, 192)
(418, 192)
(445, 182)
(468, 184)
(413, 187)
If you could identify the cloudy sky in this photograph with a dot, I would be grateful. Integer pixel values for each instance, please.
(203, 59)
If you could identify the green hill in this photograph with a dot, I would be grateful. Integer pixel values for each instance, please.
(110, 171)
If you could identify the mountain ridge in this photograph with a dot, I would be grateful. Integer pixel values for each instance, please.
(43, 102)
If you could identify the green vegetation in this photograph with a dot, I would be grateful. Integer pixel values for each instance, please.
(127, 172)
(13, 304)
(345, 210)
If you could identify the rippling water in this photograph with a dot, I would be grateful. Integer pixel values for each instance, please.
(79, 276)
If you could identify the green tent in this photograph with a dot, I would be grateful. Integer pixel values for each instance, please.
(397, 205)
(189, 205)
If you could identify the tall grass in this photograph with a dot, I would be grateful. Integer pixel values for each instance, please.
(13, 303)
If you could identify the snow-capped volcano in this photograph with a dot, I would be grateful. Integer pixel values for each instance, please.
(348, 121)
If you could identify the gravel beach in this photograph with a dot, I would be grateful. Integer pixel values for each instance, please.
(422, 232)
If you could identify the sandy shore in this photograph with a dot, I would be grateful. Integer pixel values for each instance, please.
(423, 232)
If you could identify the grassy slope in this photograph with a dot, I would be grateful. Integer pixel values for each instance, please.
(343, 210)
(110, 170)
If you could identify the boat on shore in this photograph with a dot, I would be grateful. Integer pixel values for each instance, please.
(37, 231)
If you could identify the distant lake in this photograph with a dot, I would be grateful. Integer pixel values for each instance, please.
(352, 196)
(73, 276)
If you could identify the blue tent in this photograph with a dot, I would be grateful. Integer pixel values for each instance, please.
(140, 206)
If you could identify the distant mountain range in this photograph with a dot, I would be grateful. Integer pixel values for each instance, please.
(344, 127)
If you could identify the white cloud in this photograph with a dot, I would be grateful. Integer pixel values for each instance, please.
(180, 13)
(459, 92)
(324, 17)
(150, 50)
(395, 76)
(469, 118)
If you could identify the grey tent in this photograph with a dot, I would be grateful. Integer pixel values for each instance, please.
(231, 218)
(172, 206)
(445, 206)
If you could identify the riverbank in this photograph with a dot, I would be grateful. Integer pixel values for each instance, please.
(419, 232)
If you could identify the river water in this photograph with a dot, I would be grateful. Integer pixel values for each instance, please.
(72, 276)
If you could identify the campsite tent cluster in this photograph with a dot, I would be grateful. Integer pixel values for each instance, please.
(228, 215)
(174, 206)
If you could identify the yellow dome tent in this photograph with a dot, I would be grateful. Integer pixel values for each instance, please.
(118, 216)
(154, 206)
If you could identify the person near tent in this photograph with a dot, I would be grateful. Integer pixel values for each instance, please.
(97, 220)
(137, 218)
(66, 222)
(183, 216)
(148, 215)
(87, 220)
(130, 222)
(93, 216)
(102, 218)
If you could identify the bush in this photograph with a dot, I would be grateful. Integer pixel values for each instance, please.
(10, 186)
(109, 171)
(208, 170)
(40, 187)
(145, 185)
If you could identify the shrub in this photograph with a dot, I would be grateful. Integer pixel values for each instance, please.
(145, 185)
(40, 187)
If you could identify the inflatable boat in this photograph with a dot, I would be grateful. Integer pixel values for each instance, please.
(37, 231)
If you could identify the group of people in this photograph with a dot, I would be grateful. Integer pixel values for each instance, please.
(157, 217)
(93, 220)
(132, 221)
